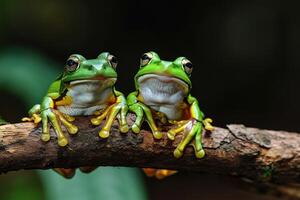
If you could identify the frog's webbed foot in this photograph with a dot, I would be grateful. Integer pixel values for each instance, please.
(158, 173)
(136, 126)
(122, 118)
(55, 118)
(191, 129)
(111, 113)
(140, 110)
(65, 172)
(180, 128)
(87, 169)
(70, 172)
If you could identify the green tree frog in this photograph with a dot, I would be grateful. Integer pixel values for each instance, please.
(86, 87)
(163, 90)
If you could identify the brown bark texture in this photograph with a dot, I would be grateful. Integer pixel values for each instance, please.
(255, 154)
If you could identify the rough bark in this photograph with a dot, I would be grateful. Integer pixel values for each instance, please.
(252, 153)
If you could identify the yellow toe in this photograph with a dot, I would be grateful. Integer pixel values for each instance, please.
(96, 121)
(200, 154)
(45, 137)
(171, 135)
(62, 142)
(135, 128)
(157, 135)
(73, 129)
(124, 129)
(104, 134)
(177, 153)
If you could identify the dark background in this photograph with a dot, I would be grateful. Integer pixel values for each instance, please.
(245, 54)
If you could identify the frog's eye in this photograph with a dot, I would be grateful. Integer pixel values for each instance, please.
(188, 66)
(72, 64)
(113, 61)
(145, 59)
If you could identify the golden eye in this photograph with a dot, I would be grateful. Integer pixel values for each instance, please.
(145, 59)
(113, 61)
(188, 66)
(72, 64)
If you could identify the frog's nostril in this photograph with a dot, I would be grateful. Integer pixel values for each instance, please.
(91, 67)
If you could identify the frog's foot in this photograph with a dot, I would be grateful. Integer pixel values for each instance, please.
(100, 116)
(66, 119)
(158, 173)
(110, 113)
(177, 153)
(135, 128)
(35, 118)
(199, 153)
(138, 111)
(192, 129)
(55, 118)
(87, 169)
(207, 124)
(180, 128)
(122, 118)
(65, 172)
(141, 110)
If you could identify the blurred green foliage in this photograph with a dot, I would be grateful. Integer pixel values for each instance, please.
(21, 186)
(104, 183)
(2, 121)
(27, 74)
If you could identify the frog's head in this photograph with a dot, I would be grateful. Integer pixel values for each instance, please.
(170, 76)
(79, 70)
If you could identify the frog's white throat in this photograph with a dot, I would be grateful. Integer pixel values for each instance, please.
(88, 96)
(163, 93)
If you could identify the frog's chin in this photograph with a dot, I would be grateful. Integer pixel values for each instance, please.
(159, 80)
(159, 89)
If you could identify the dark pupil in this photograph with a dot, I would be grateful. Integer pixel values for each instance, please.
(189, 65)
(145, 57)
(70, 63)
(114, 60)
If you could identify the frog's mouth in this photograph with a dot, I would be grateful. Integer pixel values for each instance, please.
(97, 80)
(162, 89)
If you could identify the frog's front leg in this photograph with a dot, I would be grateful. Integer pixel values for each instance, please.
(140, 110)
(192, 129)
(45, 113)
(119, 107)
(48, 112)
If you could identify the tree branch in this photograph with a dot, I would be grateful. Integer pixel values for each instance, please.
(237, 150)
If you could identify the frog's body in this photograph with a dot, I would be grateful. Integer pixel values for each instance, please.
(164, 94)
(85, 88)
(163, 89)
(87, 97)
